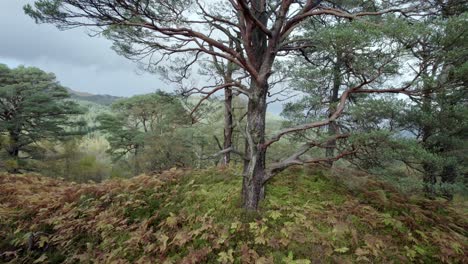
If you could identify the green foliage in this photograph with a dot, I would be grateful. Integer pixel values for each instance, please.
(425, 132)
(429, 134)
(11, 165)
(342, 52)
(79, 159)
(440, 115)
(33, 107)
(148, 127)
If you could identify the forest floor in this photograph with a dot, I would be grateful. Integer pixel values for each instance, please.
(183, 216)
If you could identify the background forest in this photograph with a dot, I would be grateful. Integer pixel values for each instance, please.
(102, 137)
(366, 162)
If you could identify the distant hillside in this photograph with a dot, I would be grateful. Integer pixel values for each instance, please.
(102, 99)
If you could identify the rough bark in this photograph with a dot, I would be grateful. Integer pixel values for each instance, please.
(254, 173)
(261, 56)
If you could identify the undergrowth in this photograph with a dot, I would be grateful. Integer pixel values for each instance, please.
(195, 217)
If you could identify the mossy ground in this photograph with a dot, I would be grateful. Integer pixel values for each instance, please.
(195, 217)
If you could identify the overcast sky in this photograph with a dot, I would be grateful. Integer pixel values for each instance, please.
(80, 62)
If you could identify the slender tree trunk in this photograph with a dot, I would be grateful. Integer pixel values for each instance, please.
(330, 151)
(246, 155)
(449, 174)
(136, 161)
(245, 167)
(254, 173)
(228, 125)
(333, 127)
(429, 178)
(13, 151)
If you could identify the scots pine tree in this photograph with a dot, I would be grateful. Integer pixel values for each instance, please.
(33, 107)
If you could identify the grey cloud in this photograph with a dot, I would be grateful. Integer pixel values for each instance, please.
(24, 39)
(79, 61)
(93, 79)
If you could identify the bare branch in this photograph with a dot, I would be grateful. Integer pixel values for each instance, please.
(231, 150)
(295, 159)
(209, 94)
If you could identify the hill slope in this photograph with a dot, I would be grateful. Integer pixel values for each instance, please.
(194, 217)
(102, 99)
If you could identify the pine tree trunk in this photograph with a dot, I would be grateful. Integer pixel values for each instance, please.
(333, 127)
(448, 176)
(330, 151)
(13, 151)
(228, 125)
(254, 173)
(136, 164)
(429, 178)
(262, 60)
